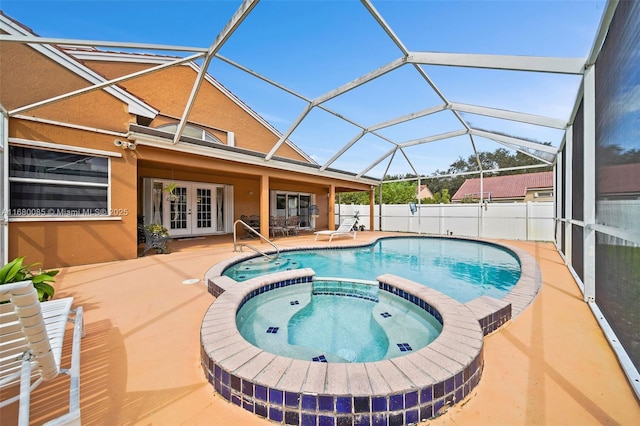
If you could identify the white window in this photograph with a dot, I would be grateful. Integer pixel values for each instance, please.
(45, 182)
(191, 131)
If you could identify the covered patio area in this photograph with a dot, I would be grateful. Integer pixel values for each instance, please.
(140, 361)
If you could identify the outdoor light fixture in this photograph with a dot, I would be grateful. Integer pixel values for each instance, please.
(125, 144)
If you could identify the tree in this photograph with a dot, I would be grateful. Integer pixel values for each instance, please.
(498, 159)
(440, 197)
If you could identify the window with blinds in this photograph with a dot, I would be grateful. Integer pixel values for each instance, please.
(55, 183)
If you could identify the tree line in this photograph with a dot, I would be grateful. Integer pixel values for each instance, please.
(443, 188)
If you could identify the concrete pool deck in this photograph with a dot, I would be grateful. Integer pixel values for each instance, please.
(140, 361)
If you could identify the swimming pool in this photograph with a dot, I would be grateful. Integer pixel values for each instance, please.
(418, 385)
(335, 321)
(462, 269)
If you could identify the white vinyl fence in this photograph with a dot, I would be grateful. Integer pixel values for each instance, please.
(515, 221)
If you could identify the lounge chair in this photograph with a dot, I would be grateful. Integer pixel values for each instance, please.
(31, 339)
(345, 229)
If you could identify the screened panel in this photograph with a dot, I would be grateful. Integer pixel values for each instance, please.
(577, 166)
(563, 206)
(618, 177)
(617, 142)
(577, 251)
(618, 289)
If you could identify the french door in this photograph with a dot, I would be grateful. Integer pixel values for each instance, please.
(192, 208)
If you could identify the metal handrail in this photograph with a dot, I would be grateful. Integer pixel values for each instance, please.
(250, 229)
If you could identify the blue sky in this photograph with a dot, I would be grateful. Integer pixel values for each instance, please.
(313, 47)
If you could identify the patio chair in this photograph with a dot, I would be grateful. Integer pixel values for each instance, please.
(277, 225)
(31, 339)
(154, 241)
(345, 229)
(292, 225)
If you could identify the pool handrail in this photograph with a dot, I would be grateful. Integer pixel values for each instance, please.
(259, 235)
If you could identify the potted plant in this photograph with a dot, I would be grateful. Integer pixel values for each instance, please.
(15, 271)
(156, 236)
(169, 189)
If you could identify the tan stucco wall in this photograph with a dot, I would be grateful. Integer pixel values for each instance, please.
(77, 241)
(27, 77)
(169, 91)
(163, 164)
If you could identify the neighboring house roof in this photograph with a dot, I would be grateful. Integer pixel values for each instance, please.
(511, 186)
(619, 179)
(424, 192)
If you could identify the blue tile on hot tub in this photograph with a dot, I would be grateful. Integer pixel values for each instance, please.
(291, 418)
(247, 388)
(379, 420)
(426, 412)
(308, 402)
(236, 382)
(426, 394)
(411, 417)
(326, 420)
(396, 419)
(378, 403)
(449, 385)
(343, 404)
(404, 347)
(261, 392)
(344, 421)
(292, 399)
(438, 390)
(236, 399)
(396, 402)
(361, 404)
(362, 420)
(275, 414)
(325, 403)
(411, 399)
(275, 396)
(260, 410)
(308, 419)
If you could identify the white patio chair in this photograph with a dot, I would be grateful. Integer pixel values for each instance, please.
(345, 229)
(31, 339)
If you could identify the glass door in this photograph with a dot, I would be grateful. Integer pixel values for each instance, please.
(177, 211)
(288, 204)
(190, 208)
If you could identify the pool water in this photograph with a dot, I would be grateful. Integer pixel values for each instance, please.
(335, 321)
(461, 269)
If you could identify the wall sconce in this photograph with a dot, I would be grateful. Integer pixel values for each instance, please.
(250, 193)
(125, 144)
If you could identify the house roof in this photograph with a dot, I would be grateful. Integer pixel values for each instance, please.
(337, 123)
(511, 186)
(619, 179)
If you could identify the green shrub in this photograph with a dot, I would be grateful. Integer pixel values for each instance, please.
(15, 271)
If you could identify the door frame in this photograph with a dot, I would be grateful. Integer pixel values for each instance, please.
(156, 206)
